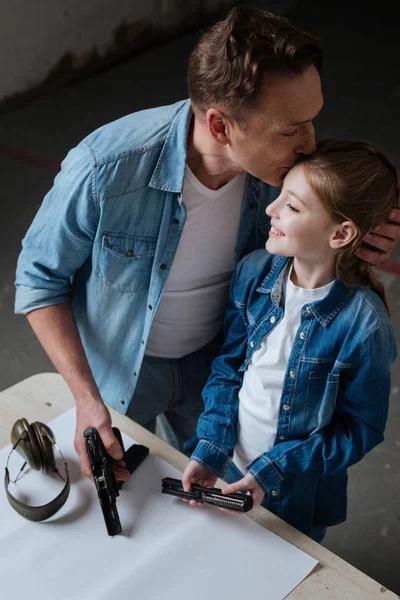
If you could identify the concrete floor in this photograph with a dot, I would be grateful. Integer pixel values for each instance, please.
(362, 95)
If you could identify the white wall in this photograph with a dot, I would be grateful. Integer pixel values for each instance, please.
(36, 35)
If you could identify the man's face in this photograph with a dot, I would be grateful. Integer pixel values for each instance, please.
(300, 225)
(280, 129)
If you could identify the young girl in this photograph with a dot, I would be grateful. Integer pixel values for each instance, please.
(300, 390)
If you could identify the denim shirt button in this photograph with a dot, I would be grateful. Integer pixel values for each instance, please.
(274, 493)
(272, 319)
(282, 437)
(251, 344)
(308, 310)
(302, 335)
(285, 407)
(292, 373)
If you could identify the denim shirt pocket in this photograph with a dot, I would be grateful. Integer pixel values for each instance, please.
(320, 400)
(125, 261)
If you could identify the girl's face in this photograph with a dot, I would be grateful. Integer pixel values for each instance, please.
(300, 225)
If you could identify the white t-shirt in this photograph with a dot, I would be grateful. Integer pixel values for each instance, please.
(193, 302)
(261, 391)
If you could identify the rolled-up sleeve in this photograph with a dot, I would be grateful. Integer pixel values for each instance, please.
(60, 238)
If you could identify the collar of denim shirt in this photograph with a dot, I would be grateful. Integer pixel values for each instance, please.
(324, 310)
(169, 172)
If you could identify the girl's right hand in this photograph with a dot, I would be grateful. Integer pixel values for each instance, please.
(196, 473)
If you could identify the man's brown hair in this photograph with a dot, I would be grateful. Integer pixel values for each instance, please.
(229, 63)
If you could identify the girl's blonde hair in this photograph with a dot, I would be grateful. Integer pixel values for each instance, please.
(355, 182)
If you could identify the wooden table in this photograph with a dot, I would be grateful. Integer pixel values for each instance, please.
(46, 396)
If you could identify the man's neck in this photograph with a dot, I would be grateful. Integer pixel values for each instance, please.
(206, 159)
(313, 275)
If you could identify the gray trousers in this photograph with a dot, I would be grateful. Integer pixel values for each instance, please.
(170, 389)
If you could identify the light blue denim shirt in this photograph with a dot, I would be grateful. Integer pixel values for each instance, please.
(106, 235)
(335, 394)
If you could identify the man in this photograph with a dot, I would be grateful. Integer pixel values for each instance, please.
(125, 270)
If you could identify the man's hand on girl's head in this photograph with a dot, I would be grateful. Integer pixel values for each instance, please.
(383, 238)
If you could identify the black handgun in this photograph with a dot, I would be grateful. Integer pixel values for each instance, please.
(104, 478)
(238, 501)
(102, 468)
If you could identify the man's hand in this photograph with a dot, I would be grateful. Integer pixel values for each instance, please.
(196, 473)
(96, 414)
(247, 483)
(383, 238)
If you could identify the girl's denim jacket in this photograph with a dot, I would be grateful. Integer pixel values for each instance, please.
(335, 394)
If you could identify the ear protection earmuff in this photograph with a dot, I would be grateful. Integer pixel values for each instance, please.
(34, 442)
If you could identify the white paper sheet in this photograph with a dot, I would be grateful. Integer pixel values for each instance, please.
(168, 549)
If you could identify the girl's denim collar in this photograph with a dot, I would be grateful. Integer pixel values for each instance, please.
(324, 310)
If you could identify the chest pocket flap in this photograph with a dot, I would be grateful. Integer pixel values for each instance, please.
(125, 261)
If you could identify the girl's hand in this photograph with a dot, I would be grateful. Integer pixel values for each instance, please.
(247, 483)
(196, 473)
